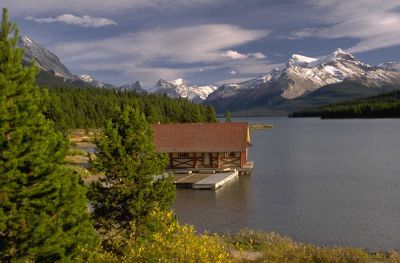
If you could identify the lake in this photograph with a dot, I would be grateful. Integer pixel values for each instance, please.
(325, 182)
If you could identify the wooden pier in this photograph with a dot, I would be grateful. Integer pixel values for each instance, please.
(216, 180)
(204, 179)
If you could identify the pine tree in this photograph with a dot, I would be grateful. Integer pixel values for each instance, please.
(227, 116)
(43, 208)
(127, 194)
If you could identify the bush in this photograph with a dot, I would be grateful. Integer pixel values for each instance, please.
(167, 241)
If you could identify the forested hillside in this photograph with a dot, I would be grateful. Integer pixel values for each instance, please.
(381, 106)
(89, 107)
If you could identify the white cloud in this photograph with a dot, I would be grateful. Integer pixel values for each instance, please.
(234, 55)
(253, 67)
(83, 21)
(190, 44)
(257, 55)
(233, 72)
(374, 23)
(137, 55)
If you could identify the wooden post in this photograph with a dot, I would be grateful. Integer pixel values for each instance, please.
(171, 161)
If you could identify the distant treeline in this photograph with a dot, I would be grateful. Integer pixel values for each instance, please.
(90, 107)
(381, 106)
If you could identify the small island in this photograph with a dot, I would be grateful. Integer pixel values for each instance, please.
(261, 126)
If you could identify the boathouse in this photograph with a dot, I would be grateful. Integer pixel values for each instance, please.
(192, 146)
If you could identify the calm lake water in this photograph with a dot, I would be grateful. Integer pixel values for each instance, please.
(325, 182)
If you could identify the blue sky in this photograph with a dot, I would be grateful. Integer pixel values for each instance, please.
(204, 41)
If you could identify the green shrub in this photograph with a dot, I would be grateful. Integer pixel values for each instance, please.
(167, 241)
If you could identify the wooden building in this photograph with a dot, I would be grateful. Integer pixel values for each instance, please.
(203, 145)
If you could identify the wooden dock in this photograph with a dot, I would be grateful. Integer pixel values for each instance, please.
(247, 169)
(208, 178)
(204, 180)
(216, 180)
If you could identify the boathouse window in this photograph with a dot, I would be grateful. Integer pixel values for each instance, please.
(183, 155)
(230, 154)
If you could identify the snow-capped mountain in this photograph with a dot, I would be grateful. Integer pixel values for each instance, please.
(91, 81)
(45, 59)
(52, 70)
(227, 90)
(132, 86)
(179, 89)
(302, 75)
(391, 66)
(309, 74)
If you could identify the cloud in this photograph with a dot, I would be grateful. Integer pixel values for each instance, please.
(233, 72)
(234, 55)
(257, 55)
(373, 23)
(147, 75)
(303, 33)
(167, 53)
(83, 21)
(30, 7)
(190, 44)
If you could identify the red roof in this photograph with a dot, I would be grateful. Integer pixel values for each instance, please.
(201, 137)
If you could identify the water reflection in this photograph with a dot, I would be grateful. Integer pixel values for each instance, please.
(205, 208)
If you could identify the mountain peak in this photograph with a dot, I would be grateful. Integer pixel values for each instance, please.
(178, 82)
(341, 54)
(338, 55)
(133, 86)
(339, 50)
(161, 82)
(92, 81)
(300, 60)
(27, 41)
(45, 59)
(86, 78)
(179, 89)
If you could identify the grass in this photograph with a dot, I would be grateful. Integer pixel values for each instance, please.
(274, 248)
(76, 152)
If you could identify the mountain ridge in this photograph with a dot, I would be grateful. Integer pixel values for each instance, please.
(281, 89)
(299, 77)
(51, 68)
(178, 88)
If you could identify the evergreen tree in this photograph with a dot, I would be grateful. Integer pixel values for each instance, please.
(125, 197)
(227, 116)
(43, 208)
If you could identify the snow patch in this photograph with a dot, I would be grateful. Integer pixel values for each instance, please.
(299, 60)
(86, 78)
